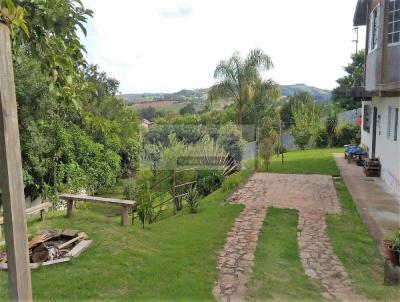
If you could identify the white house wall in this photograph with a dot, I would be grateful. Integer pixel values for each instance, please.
(388, 151)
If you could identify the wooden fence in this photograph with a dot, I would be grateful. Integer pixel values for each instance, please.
(174, 192)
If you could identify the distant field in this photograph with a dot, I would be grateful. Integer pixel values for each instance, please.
(176, 107)
(156, 105)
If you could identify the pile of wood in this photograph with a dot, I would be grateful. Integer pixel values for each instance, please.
(372, 168)
(53, 246)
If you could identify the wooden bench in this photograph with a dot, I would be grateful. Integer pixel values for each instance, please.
(33, 210)
(125, 204)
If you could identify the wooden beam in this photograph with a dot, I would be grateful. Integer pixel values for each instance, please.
(19, 275)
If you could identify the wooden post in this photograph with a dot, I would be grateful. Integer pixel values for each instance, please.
(125, 216)
(257, 147)
(42, 215)
(70, 207)
(12, 186)
(174, 189)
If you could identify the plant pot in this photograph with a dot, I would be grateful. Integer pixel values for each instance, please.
(390, 254)
(386, 249)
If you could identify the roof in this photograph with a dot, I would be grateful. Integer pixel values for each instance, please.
(361, 14)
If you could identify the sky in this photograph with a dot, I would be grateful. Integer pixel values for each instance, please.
(169, 45)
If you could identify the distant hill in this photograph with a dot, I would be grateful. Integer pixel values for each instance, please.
(320, 95)
(199, 96)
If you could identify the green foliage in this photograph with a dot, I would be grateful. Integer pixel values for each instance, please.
(213, 166)
(66, 150)
(354, 78)
(305, 126)
(230, 138)
(344, 135)
(48, 31)
(238, 79)
(140, 191)
(331, 124)
(192, 198)
(188, 109)
(231, 182)
(148, 113)
(286, 112)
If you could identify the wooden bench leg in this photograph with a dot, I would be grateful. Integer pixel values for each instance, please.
(41, 215)
(70, 208)
(125, 216)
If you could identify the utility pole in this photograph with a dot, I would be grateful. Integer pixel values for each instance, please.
(356, 30)
(12, 186)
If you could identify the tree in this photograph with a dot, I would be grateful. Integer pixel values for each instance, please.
(237, 79)
(286, 112)
(331, 124)
(148, 113)
(305, 126)
(188, 109)
(353, 78)
(48, 31)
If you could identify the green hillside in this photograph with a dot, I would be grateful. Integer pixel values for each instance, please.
(199, 96)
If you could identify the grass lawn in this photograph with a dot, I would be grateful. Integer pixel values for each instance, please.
(316, 161)
(358, 253)
(278, 274)
(174, 259)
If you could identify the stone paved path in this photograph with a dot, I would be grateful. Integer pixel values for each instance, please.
(236, 259)
(313, 196)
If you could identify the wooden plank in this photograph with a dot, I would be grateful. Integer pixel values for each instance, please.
(79, 248)
(33, 210)
(186, 184)
(62, 260)
(96, 199)
(12, 186)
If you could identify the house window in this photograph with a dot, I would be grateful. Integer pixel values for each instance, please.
(394, 22)
(393, 123)
(396, 124)
(374, 28)
(367, 118)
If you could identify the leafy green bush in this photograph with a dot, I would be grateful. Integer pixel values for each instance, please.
(192, 198)
(230, 137)
(231, 182)
(140, 190)
(346, 134)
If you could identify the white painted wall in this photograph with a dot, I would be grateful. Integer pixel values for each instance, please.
(388, 151)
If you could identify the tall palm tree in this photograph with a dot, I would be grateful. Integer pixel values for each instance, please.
(239, 78)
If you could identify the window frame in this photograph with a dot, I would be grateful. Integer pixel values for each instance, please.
(374, 23)
(393, 21)
(367, 118)
(393, 123)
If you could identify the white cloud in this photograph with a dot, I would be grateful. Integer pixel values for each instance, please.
(167, 45)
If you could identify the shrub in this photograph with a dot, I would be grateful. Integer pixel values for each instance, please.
(192, 198)
(305, 126)
(231, 140)
(140, 191)
(231, 182)
(346, 135)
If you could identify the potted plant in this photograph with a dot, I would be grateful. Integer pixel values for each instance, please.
(396, 244)
(391, 248)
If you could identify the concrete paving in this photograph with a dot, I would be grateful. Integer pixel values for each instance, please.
(378, 207)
